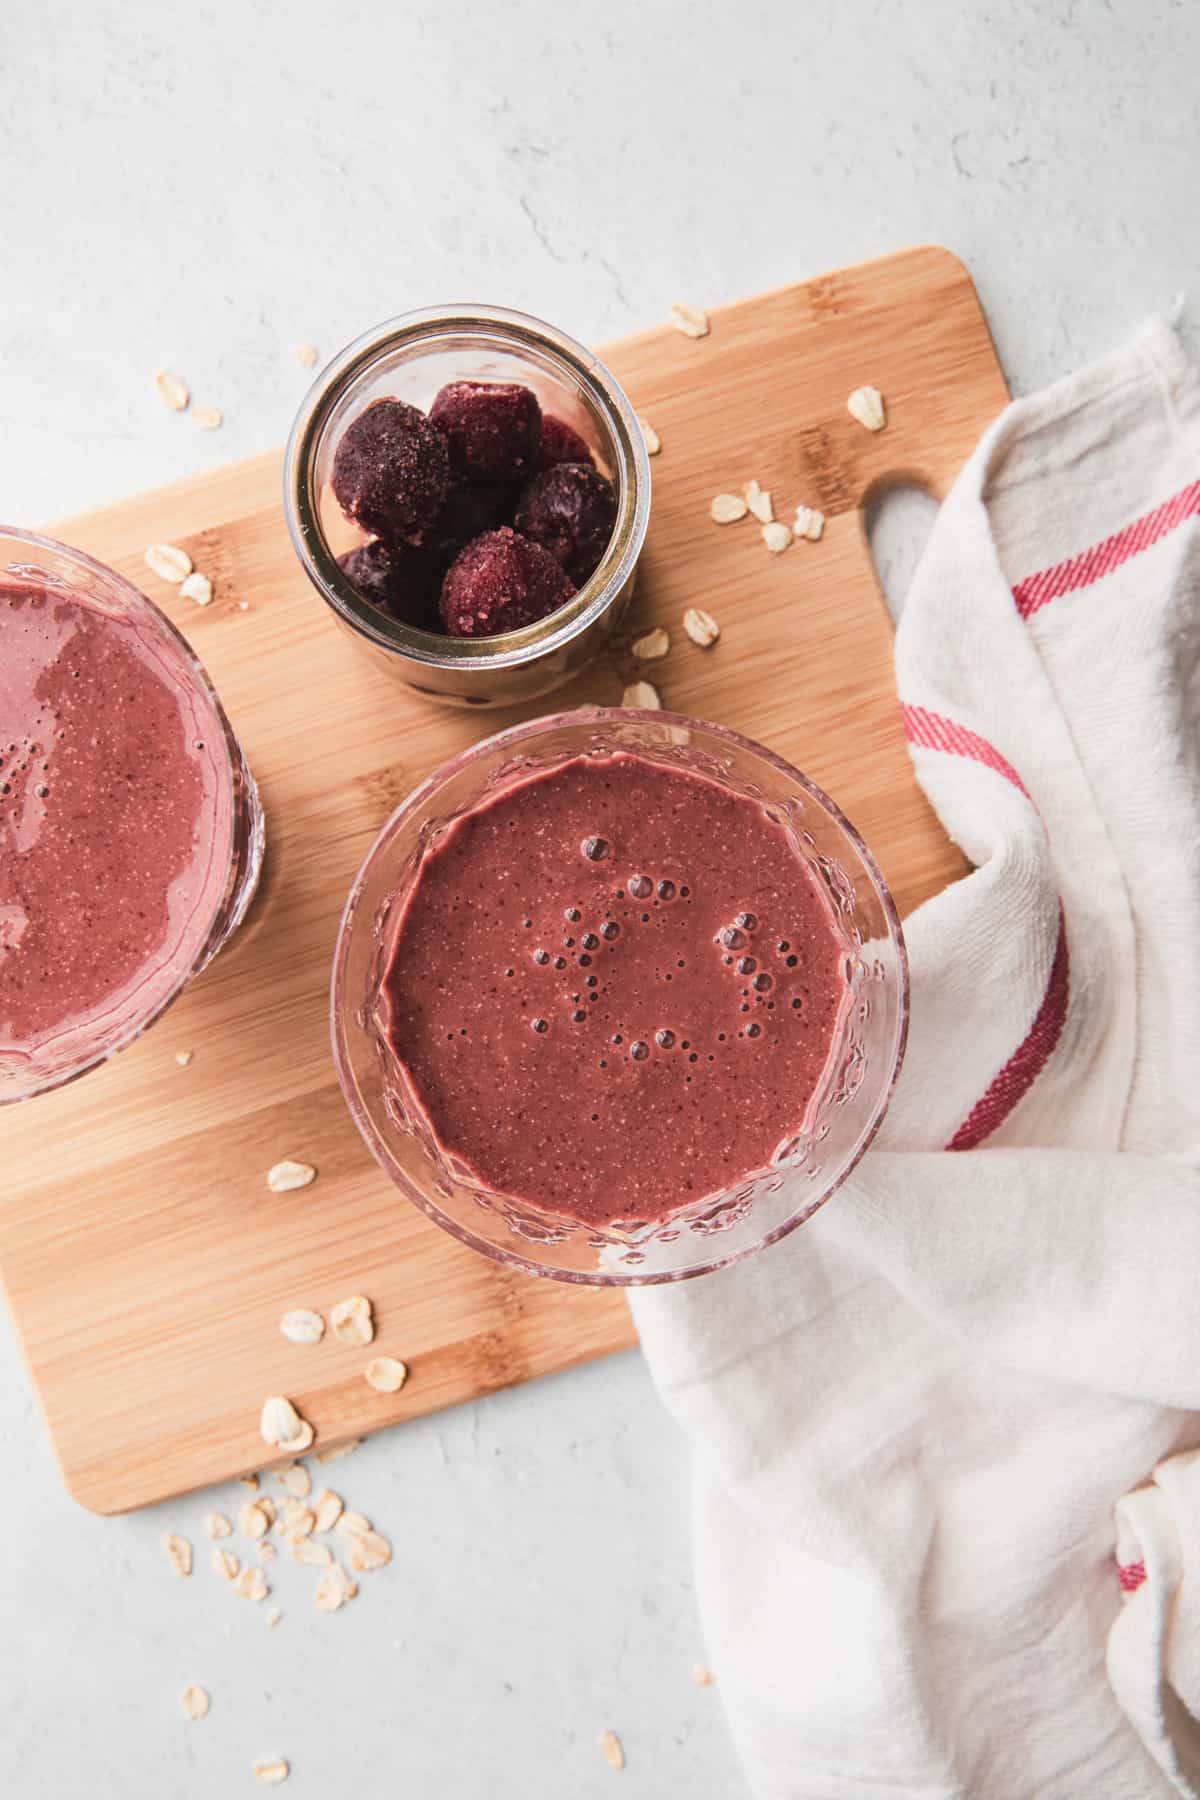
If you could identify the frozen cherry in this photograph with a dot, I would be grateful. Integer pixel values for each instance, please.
(391, 470)
(570, 510)
(561, 443)
(399, 579)
(374, 570)
(500, 582)
(492, 428)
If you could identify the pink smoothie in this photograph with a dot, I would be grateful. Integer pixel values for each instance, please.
(115, 824)
(615, 987)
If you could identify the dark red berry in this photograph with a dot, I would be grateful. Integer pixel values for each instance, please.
(492, 427)
(399, 579)
(374, 570)
(391, 470)
(561, 443)
(500, 582)
(570, 510)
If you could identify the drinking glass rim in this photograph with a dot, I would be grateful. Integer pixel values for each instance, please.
(235, 763)
(511, 737)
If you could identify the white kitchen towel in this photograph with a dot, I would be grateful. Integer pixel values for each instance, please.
(913, 1421)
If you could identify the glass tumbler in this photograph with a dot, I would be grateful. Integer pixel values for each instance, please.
(722, 1227)
(228, 859)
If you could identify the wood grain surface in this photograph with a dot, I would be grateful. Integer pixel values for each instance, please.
(146, 1263)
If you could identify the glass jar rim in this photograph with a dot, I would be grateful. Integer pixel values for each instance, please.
(509, 649)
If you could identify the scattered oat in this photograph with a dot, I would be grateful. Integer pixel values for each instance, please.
(652, 439)
(327, 1510)
(334, 1589)
(274, 1616)
(370, 1551)
(172, 390)
(353, 1524)
(306, 355)
(168, 561)
(194, 1701)
(809, 523)
(303, 1442)
(251, 1584)
(183, 1058)
(352, 1321)
(386, 1374)
(284, 1177)
(296, 1479)
(653, 644)
(866, 405)
(312, 1550)
(253, 1521)
(702, 1675)
(208, 418)
(727, 509)
(701, 627)
(268, 1506)
(338, 1451)
(281, 1425)
(249, 1481)
(179, 1553)
(642, 695)
(270, 1774)
(689, 319)
(298, 1524)
(216, 1525)
(303, 1326)
(225, 1563)
(267, 1551)
(610, 1746)
(776, 537)
(197, 587)
(758, 499)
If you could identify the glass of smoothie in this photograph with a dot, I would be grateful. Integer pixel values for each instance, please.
(618, 997)
(460, 426)
(130, 827)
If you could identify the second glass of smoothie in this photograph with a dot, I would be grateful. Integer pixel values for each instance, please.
(130, 828)
(619, 997)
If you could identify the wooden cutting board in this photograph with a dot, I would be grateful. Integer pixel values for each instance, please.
(146, 1263)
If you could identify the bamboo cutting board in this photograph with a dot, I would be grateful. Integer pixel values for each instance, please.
(146, 1263)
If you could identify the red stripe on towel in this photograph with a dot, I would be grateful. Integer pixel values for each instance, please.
(1027, 1062)
(1131, 1576)
(933, 731)
(1081, 571)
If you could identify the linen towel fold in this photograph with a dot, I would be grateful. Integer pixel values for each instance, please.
(913, 1421)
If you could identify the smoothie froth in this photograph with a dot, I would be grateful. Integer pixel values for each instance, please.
(615, 987)
(115, 822)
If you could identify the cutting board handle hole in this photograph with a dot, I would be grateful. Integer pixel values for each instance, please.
(898, 519)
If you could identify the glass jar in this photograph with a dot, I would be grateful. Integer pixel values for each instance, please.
(202, 913)
(409, 359)
(850, 1099)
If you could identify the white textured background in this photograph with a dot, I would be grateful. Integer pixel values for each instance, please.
(204, 186)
